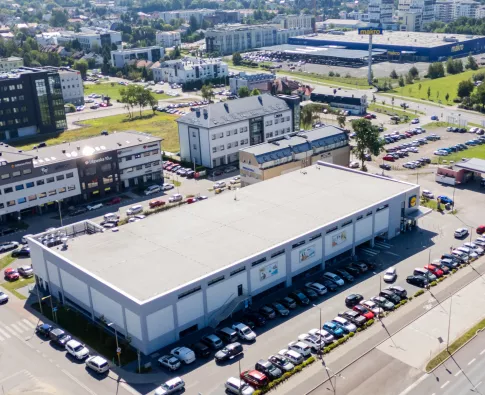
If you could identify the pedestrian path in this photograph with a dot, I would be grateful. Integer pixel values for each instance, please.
(22, 327)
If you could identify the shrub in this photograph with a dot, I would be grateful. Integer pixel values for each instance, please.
(410, 298)
(418, 293)
(337, 74)
(433, 283)
(351, 334)
(326, 350)
(369, 323)
(331, 73)
(359, 329)
(453, 271)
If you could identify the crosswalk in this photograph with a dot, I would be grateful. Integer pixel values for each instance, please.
(21, 327)
(378, 246)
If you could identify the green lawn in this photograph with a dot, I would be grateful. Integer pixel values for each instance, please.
(439, 88)
(396, 111)
(113, 91)
(159, 124)
(20, 283)
(474, 152)
(6, 260)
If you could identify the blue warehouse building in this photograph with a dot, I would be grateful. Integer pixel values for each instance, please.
(401, 46)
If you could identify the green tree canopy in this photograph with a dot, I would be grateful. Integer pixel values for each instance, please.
(236, 58)
(82, 67)
(465, 88)
(206, 92)
(367, 139)
(243, 91)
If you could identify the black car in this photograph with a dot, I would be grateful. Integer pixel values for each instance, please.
(288, 302)
(345, 275)
(370, 264)
(78, 211)
(450, 264)
(353, 300)
(419, 281)
(310, 293)
(280, 309)
(200, 349)
(399, 291)
(354, 317)
(361, 267)
(299, 298)
(453, 258)
(330, 285)
(255, 317)
(22, 253)
(43, 329)
(352, 270)
(267, 312)
(228, 352)
(390, 296)
(59, 337)
(385, 166)
(267, 368)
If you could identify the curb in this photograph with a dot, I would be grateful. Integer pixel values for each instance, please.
(396, 332)
(458, 349)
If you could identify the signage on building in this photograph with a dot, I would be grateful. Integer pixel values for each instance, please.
(98, 160)
(268, 271)
(307, 253)
(457, 48)
(339, 238)
(151, 145)
(365, 31)
(393, 53)
(248, 169)
(44, 170)
(412, 201)
(20, 164)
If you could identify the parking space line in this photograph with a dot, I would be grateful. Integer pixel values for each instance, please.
(458, 373)
(4, 334)
(78, 382)
(12, 376)
(473, 360)
(1, 339)
(445, 384)
(16, 328)
(482, 352)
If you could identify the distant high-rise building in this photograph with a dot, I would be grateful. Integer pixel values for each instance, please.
(380, 12)
(414, 14)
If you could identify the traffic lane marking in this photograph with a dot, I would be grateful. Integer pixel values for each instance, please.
(473, 360)
(445, 384)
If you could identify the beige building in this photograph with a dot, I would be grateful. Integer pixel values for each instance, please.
(11, 63)
(293, 152)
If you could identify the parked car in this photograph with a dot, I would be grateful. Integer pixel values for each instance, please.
(354, 317)
(294, 357)
(134, 210)
(435, 270)
(43, 329)
(353, 300)
(330, 285)
(229, 352)
(280, 309)
(95, 206)
(419, 281)
(254, 378)
(167, 187)
(156, 203)
(171, 387)
(77, 350)
(11, 274)
(300, 298)
(288, 302)
(200, 349)
(333, 277)
(213, 341)
(345, 324)
(345, 275)
(327, 337)
(317, 343)
(9, 245)
(281, 362)
(390, 275)
(176, 197)
(267, 312)
(59, 337)
(445, 199)
(238, 387)
(390, 296)
(184, 354)
(461, 232)
(255, 317)
(317, 287)
(399, 291)
(427, 194)
(268, 369)
(228, 335)
(244, 332)
(98, 364)
(3, 298)
(364, 311)
(334, 329)
(372, 306)
(310, 293)
(21, 253)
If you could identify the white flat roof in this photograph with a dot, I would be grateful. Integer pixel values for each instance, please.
(168, 250)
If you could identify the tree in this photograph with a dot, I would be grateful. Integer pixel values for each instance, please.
(465, 88)
(236, 58)
(401, 81)
(82, 67)
(447, 97)
(393, 75)
(206, 92)
(413, 71)
(409, 78)
(255, 92)
(419, 87)
(309, 113)
(436, 70)
(478, 97)
(145, 98)
(367, 139)
(429, 92)
(128, 96)
(175, 54)
(471, 63)
(194, 24)
(59, 18)
(341, 120)
(243, 91)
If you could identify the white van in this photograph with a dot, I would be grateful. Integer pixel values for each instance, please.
(184, 354)
(238, 387)
(111, 217)
(219, 184)
(134, 210)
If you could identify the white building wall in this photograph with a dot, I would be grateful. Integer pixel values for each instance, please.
(306, 255)
(219, 293)
(363, 229)
(139, 160)
(110, 309)
(381, 220)
(72, 87)
(73, 286)
(160, 323)
(133, 324)
(7, 64)
(53, 273)
(190, 308)
(268, 273)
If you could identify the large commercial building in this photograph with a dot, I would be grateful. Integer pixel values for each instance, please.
(261, 81)
(10, 63)
(293, 152)
(89, 39)
(212, 136)
(123, 56)
(402, 46)
(227, 39)
(71, 84)
(190, 69)
(274, 234)
(32, 103)
(91, 169)
(346, 101)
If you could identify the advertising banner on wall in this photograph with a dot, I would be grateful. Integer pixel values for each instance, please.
(339, 238)
(268, 271)
(307, 253)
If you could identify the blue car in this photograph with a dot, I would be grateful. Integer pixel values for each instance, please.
(445, 199)
(470, 142)
(434, 117)
(333, 329)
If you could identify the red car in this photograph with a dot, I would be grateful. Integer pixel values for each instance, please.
(389, 158)
(103, 105)
(11, 274)
(368, 116)
(115, 200)
(254, 378)
(433, 269)
(364, 312)
(481, 229)
(156, 203)
(192, 200)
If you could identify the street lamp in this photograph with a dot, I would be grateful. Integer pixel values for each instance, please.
(118, 349)
(319, 329)
(60, 213)
(52, 307)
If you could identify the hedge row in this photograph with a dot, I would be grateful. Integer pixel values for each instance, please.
(286, 376)
(156, 210)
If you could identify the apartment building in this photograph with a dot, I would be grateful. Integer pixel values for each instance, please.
(123, 56)
(262, 81)
(448, 11)
(295, 21)
(212, 136)
(189, 69)
(168, 39)
(380, 12)
(10, 63)
(227, 39)
(465, 8)
(71, 84)
(88, 38)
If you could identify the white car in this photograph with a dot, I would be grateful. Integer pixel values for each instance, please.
(219, 184)
(480, 241)
(76, 349)
(3, 298)
(328, 338)
(300, 347)
(390, 275)
(318, 288)
(333, 277)
(468, 251)
(294, 357)
(315, 342)
(236, 180)
(345, 323)
(137, 218)
(170, 362)
(185, 354)
(94, 206)
(152, 189)
(171, 387)
(354, 165)
(475, 248)
(176, 197)
(461, 232)
(9, 245)
(427, 194)
(244, 332)
(409, 165)
(98, 364)
(369, 304)
(134, 210)
(168, 187)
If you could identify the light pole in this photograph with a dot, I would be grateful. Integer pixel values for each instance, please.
(449, 325)
(54, 316)
(319, 329)
(239, 364)
(60, 213)
(118, 349)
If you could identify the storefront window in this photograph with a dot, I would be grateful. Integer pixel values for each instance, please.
(93, 183)
(108, 179)
(42, 195)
